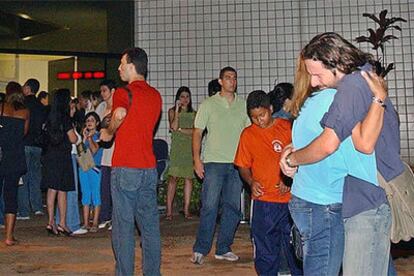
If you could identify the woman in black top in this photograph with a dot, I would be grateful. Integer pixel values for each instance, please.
(57, 160)
(14, 121)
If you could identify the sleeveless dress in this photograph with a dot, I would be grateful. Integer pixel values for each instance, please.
(181, 156)
(57, 167)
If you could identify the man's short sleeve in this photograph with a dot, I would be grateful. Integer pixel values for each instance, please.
(350, 106)
(120, 99)
(202, 115)
(243, 156)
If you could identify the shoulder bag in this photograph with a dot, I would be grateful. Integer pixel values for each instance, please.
(84, 157)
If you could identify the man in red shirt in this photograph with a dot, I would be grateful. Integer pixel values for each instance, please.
(135, 112)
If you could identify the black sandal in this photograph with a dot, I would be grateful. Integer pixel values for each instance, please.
(63, 231)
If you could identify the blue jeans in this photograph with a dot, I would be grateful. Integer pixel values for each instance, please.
(322, 231)
(72, 202)
(134, 197)
(29, 194)
(221, 184)
(271, 225)
(367, 242)
(106, 207)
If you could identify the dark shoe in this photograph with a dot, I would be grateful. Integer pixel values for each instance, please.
(63, 231)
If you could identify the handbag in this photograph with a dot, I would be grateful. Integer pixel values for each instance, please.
(84, 157)
(400, 195)
(107, 120)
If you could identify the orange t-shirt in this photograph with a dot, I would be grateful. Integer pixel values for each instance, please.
(133, 140)
(259, 150)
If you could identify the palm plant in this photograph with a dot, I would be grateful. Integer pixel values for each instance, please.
(378, 38)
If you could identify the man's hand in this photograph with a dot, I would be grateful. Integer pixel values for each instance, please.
(257, 188)
(199, 168)
(377, 84)
(286, 169)
(283, 188)
(105, 136)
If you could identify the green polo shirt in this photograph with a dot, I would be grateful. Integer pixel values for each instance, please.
(224, 123)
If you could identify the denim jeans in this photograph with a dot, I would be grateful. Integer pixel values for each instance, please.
(221, 184)
(135, 200)
(322, 231)
(72, 202)
(367, 242)
(271, 225)
(29, 194)
(106, 200)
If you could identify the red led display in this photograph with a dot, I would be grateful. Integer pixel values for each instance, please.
(63, 76)
(98, 75)
(76, 75)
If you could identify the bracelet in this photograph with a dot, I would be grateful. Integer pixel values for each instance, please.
(288, 161)
(378, 101)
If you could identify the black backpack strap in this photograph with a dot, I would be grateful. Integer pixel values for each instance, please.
(129, 96)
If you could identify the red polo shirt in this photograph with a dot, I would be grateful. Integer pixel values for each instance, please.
(133, 142)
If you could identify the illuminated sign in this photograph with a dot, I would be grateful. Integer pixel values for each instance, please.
(76, 75)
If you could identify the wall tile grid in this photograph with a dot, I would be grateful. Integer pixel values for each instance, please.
(189, 41)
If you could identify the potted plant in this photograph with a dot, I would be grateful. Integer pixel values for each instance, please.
(377, 38)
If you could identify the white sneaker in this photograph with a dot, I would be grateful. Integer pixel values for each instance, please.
(39, 213)
(80, 231)
(197, 258)
(104, 224)
(22, 218)
(110, 228)
(229, 256)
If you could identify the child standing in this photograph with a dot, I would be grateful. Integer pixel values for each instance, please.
(90, 181)
(257, 158)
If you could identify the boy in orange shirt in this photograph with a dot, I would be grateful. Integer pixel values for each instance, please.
(257, 158)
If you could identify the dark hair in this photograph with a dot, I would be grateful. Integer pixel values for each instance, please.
(178, 94)
(256, 99)
(86, 94)
(225, 69)
(33, 84)
(60, 107)
(108, 83)
(213, 87)
(42, 95)
(139, 58)
(97, 119)
(14, 95)
(280, 93)
(336, 53)
(96, 95)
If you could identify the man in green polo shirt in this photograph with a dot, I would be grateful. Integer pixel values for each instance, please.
(224, 116)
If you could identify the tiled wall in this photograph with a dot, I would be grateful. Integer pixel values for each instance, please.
(189, 41)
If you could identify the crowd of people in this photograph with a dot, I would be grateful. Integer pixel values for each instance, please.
(42, 158)
(309, 152)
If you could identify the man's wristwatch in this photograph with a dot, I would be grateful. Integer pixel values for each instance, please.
(378, 101)
(288, 161)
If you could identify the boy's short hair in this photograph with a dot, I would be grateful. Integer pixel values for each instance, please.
(256, 99)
